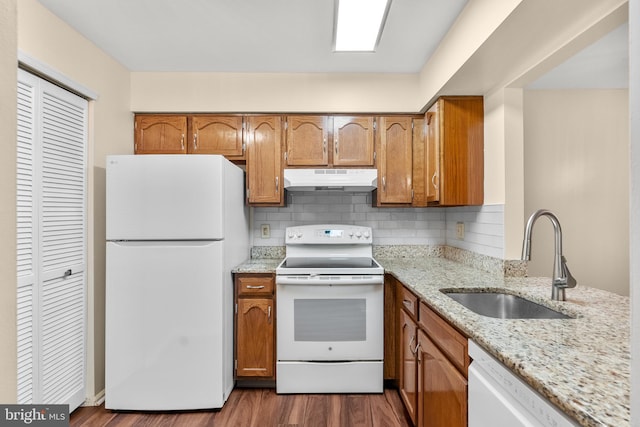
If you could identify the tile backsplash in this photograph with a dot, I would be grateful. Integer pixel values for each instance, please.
(391, 226)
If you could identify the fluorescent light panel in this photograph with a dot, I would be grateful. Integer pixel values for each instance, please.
(359, 24)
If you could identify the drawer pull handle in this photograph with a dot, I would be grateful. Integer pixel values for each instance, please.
(407, 303)
(269, 314)
(255, 287)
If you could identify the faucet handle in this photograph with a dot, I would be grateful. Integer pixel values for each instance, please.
(571, 281)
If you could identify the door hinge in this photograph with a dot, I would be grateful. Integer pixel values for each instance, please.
(235, 364)
(236, 303)
(375, 125)
(374, 156)
(244, 147)
(286, 156)
(411, 200)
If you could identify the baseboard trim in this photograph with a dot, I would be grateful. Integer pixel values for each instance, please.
(96, 400)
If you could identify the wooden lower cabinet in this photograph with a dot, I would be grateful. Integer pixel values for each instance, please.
(433, 365)
(408, 381)
(255, 327)
(442, 389)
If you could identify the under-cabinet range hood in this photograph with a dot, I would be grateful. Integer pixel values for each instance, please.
(354, 180)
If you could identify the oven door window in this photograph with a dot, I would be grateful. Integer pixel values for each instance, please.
(325, 322)
(328, 320)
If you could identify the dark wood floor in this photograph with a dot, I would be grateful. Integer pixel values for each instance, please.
(265, 408)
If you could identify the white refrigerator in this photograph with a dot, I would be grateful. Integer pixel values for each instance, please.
(175, 226)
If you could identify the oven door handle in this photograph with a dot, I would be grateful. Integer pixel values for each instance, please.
(330, 280)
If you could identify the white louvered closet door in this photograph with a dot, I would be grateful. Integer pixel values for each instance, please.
(52, 139)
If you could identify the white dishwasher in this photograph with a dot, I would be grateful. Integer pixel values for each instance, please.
(498, 398)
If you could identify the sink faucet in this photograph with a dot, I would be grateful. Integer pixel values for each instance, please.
(562, 278)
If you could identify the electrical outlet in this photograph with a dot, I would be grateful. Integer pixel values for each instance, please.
(265, 231)
(460, 230)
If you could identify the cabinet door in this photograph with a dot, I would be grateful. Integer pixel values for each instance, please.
(215, 134)
(307, 138)
(461, 150)
(394, 148)
(442, 388)
(391, 287)
(160, 134)
(264, 169)
(408, 365)
(353, 141)
(432, 119)
(455, 151)
(254, 337)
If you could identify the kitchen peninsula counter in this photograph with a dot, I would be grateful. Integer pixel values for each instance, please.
(582, 365)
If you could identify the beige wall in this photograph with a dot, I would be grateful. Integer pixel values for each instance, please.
(576, 154)
(246, 92)
(8, 123)
(503, 150)
(43, 36)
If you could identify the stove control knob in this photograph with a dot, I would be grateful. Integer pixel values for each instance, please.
(366, 235)
(351, 234)
(290, 235)
(358, 234)
(299, 235)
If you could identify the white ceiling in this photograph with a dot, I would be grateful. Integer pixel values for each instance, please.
(252, 35)
(297, 36)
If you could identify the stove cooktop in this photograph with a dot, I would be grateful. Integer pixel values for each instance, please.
(329, 265)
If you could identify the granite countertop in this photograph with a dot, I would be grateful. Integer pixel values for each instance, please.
(258, 265)
(582, 365)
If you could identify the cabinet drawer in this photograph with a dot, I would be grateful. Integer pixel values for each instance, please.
(451, 342)
(409, 301)
(255, 284)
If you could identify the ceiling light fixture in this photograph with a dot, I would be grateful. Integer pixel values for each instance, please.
(359, 24)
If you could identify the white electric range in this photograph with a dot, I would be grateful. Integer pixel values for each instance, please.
(330, 311)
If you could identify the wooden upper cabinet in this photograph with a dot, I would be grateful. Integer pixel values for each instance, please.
(160, 134)
(419, 167)
(307, 141)
(394, 147)
(432, 119)
(264, 168)
(455, 151)
(353, 141)
(216, 134)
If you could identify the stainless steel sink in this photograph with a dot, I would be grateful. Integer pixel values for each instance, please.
(503, 306)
